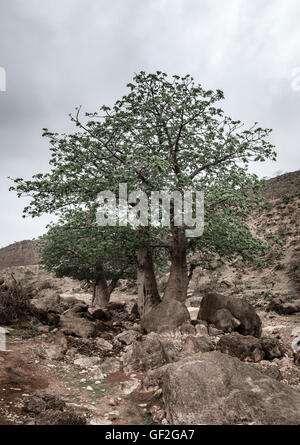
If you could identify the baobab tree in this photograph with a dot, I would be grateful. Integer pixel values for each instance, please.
(165, 134)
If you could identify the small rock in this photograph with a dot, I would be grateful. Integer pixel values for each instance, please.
(87, 362)
(128, 337)
(113, 415)
(269, 330)
(187, 329)
(109, 366)
(296, 332)
(129, 386)
(44, 329)
(104, 344)
(100, 421)
(214, 331)
(201, 329)
(194, 344)
(55, 352)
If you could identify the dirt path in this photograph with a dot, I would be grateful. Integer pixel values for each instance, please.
(24, 372)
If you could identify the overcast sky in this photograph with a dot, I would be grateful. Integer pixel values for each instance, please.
(59, 54)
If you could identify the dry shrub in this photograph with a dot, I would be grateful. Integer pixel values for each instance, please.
(15, 305)
(48, 409)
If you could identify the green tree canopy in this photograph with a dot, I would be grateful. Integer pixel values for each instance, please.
(77, 247)
(166, 133)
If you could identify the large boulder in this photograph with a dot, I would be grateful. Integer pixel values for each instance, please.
(50, 303)
(249, 348)
(194, 344)
(287, 308)
(151, 352)
(246, 348)
(167, 315)
(77, 326)
(230, 314)
(214, 388)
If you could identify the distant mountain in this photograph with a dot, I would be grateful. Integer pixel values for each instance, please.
(22, 253)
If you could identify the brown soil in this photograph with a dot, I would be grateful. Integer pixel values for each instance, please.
(24, 372)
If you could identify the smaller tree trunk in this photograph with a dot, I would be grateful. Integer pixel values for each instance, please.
(148, 295)
(112, 285)
(178, 281)
(102, 290)
(100, 293)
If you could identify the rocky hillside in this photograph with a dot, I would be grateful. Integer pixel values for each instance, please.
(22, 253)
(281, 275)
(287, 184)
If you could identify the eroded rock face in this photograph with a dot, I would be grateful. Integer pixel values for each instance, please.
(230, 314)
(214, 388)
(249, 348)
(167, 315)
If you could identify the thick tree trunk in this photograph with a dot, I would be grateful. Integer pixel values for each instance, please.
(178, 281)
(102, 290)
(148, 295)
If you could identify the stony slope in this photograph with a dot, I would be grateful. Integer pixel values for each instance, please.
(281, 277)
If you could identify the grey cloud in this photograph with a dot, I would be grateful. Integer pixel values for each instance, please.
(62, 53)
